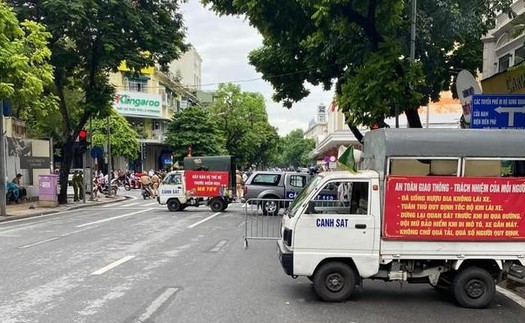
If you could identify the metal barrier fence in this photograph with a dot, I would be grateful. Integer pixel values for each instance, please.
(263, 219)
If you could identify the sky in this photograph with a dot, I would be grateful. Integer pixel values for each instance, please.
(223, 44)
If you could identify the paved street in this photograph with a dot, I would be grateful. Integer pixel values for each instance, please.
(133, 261)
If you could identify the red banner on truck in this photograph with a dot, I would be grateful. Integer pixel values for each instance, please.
(206, 183)
(454, 208)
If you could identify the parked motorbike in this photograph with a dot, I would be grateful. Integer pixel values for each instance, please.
(100, 186)
(125, 182)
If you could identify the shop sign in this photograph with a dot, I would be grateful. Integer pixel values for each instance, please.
(138, 104)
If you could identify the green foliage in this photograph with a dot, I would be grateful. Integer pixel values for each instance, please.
(363, 46)
(194, 127)
(25, 71)
(294, 150)
(243, 121)
(123, 138)
(90, 38)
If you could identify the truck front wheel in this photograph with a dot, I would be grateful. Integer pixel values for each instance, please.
(334, 282)
(174, 205)
(474, 287)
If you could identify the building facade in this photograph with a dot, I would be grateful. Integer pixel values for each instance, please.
(443, 114)
(148, 101)
(503, 49)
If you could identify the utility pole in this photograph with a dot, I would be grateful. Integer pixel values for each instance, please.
(110, 167)
(3, 211)
(413, 31)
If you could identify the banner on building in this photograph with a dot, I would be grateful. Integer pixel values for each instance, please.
(138, 104)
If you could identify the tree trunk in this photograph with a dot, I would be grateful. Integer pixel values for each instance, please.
(67, 158)
(413, 119)
(357, 134)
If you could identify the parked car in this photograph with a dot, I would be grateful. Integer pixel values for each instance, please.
(276, 185)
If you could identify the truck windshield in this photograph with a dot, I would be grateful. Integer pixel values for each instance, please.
(298, 201)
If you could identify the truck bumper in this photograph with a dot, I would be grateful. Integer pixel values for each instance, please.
(285, 257)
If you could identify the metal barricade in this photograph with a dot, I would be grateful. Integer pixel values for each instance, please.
(263, 219)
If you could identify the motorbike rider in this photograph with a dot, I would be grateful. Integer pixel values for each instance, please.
(155, 182)
(145, 180)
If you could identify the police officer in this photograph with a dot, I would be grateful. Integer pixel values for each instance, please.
(78, 183)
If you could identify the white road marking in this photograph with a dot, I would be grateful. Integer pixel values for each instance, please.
(113, 218)
(38, 217)
(113, 204)
(112, 265)
(153, 203)
(134, 203)
(219, 246)
(203, 220)
(37, 243)
(157, 303)
(520, 301)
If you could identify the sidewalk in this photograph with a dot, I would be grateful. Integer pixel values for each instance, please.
(31, 209)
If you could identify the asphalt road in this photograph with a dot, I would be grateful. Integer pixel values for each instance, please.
(136, 262)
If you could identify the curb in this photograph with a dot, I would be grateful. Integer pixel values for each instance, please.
(60, 208)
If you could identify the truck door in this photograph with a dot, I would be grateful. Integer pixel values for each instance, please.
(294, 185)
(173, 186)
(342, 225)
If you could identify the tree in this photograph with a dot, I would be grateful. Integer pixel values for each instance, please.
(90, 38)
(123, 138)
(243, 121)
(295, 150)
(195, 128)
(25, 71)
(363, 46)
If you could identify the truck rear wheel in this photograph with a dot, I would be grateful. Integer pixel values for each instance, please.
(334, 282)
(217, 205)
(174, 205)
(474, 287)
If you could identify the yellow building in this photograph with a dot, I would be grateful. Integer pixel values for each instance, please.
(148, 102)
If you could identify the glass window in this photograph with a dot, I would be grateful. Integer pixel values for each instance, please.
(172, 179)
(494, 167)
(350, 198)
(136, 85)
(504, 63)
(266, 179)
(519, 55)
(423, 166)
(297, 180)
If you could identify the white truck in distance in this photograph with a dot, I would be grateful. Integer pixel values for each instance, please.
(438, 206)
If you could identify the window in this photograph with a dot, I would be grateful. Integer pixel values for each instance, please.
(504, 63)
(266, 179)
(519, 55)
(297, 180)
(172, 179)
(477, 167)
(349, 198)
(136, 84)
(424, 166)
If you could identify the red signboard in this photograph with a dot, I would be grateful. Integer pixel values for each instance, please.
(454, 208)
(206, 183)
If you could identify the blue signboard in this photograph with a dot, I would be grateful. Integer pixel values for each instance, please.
(498, 111)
